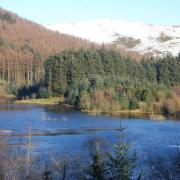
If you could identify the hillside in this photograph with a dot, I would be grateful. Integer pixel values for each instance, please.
(146, 39)
(24, 46)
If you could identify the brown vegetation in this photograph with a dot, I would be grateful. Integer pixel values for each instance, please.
(24, 46)
(127, 42)
(171, 105)
(163, 38)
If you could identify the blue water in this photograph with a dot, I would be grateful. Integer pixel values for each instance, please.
(57, 130)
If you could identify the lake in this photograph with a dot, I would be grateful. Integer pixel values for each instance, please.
(68, 131)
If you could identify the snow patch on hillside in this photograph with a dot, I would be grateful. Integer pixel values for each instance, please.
(156, 39)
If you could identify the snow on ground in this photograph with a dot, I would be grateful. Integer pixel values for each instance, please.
(108, 31)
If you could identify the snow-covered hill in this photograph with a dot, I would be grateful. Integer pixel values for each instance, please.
(158, 40)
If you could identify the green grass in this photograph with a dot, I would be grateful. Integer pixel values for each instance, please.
(48, 101)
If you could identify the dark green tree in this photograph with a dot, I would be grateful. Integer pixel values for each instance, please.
(133, 104)
(122, 160)
(46, 174)
(97, 168)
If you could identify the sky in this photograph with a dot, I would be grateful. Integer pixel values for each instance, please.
(53, 11)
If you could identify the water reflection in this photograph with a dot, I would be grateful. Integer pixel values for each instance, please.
(53, 127)
(13, 107)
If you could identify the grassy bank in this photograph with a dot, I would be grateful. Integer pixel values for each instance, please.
(137, 111)
(47, 101)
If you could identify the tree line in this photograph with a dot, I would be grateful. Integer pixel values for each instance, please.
(98, 79)
(102, 79)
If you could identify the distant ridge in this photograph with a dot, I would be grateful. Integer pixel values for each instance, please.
(155, 40)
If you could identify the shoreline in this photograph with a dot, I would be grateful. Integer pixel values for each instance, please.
(7, 96)
(127, 113)
(43, 101)
(59, 101)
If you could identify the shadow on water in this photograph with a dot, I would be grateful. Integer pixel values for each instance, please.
(58, 132)
(12, 107)
(7, 104)
(4, 100)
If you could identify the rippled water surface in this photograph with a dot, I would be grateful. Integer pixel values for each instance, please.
(54, 129)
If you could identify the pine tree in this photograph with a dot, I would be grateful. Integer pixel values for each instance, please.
(97, 168)
(46, 174)
(121, 161)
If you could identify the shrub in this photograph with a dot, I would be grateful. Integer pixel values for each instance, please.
(1, 41)
(44, 93)
(171, 106)
(85, 101)
(33, 96)
(22, 92)
(26, 97)
(72, 97)
(133, 104)
(11, 89)
(146, 96)
(123, 100)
